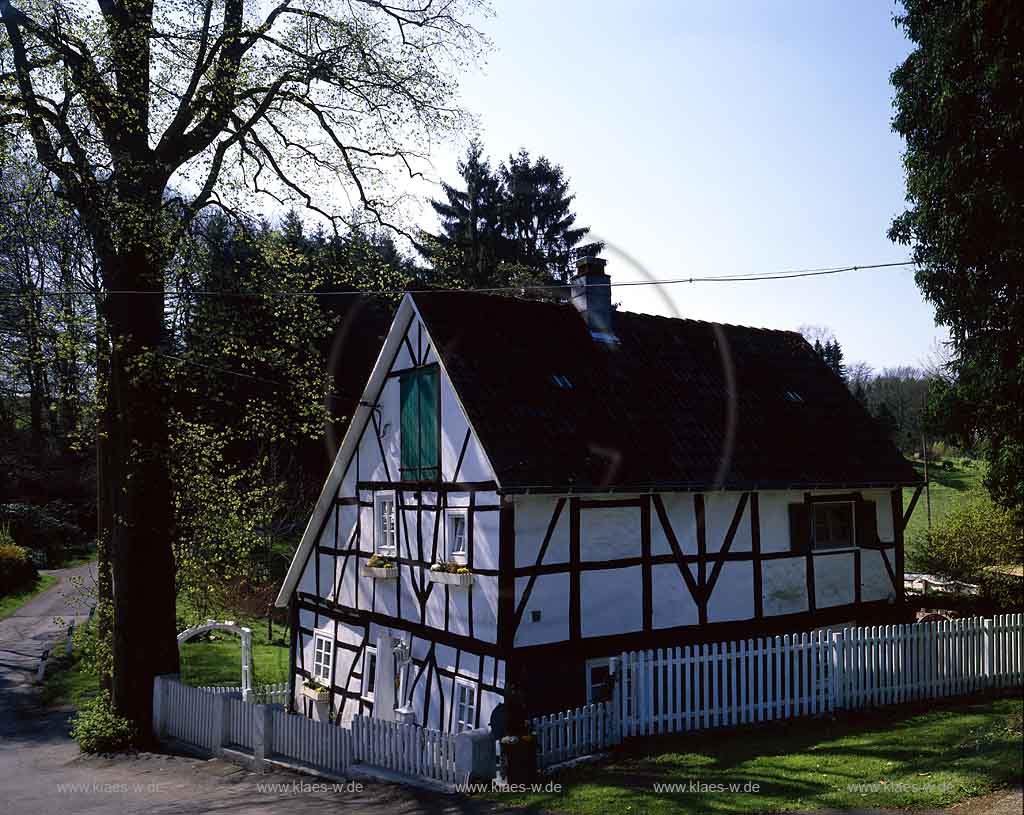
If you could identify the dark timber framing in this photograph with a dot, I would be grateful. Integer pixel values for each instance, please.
(490, 665)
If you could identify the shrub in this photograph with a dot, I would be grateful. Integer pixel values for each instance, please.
(16, 569)
(39, 529)
(973, 535)
(98, 729)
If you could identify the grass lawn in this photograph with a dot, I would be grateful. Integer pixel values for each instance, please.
(10, 603)
(219, 662)
(919, 758)
(948, 488)
(66, 682)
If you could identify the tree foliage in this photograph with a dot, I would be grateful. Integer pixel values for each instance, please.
(145, 113)
(507, 226)
(960, 109)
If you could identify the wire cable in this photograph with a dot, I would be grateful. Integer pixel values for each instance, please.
(737, 278)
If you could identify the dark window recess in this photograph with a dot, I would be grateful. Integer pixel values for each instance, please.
(421, 429)
(832, 526)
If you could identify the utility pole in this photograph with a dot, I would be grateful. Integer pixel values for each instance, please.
(924, 455)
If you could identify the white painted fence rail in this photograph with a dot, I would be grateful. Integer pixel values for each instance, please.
(276, 694)
(213, 719)
(739, 682)
(405, 748)
(583, 731)
(669, 690)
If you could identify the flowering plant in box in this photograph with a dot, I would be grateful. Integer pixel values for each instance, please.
(379, 562)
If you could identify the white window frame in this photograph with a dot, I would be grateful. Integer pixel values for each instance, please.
(369, 687)
(853, 527)
(380, 499)
(322, 667)
(459, 722)
(590, 664)
(450, 551)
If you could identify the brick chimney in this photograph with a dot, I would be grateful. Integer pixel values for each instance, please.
(591, 293)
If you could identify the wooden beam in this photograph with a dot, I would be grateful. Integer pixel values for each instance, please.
(910, 509)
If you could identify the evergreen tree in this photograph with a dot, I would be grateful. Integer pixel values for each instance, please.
(468, 244)
(537, 220)
(506, 226)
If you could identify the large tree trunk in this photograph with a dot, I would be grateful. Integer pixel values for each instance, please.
(142, 559)
(104, 502)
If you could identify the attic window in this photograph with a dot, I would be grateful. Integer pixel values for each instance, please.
(562, 381)
(793, 396)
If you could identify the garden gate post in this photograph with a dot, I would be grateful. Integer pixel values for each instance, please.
(836, 674)
(220, 723)
(263, 736)
(990, 653)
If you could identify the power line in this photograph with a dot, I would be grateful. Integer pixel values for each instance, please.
(737, 278)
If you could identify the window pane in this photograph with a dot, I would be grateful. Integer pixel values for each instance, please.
(833, 526)
(459, 534)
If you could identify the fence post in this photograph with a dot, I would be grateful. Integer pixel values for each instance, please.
(159, 707)
(615, 722)
(220, 723)
(990, 653)
(475, 757)
(263, 736)
(836, 676)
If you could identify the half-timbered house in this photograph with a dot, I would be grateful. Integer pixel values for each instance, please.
(582, 480)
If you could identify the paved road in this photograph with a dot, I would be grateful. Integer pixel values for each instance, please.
(42, 772)
(23, 638)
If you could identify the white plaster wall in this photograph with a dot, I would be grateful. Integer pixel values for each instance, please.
(533, 514)
(874, 579)
(672, 602)
(683, 520)
(785, 585)
(719, 510)
(550, 596)
(609, 533)
(773, 508)
(833, 579)
(733, 597)
(611, 601)
(883, 514)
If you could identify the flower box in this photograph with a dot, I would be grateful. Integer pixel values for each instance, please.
(316, 694)
(451, 578)
(381, 572)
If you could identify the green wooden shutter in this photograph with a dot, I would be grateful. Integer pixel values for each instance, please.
(410, 426)
(429, 430)
(867, 524)
(800, 528)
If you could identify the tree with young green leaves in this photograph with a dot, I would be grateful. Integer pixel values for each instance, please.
(146, 113)
(960, 108)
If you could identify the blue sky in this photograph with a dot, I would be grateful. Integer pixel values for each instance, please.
(719, 138)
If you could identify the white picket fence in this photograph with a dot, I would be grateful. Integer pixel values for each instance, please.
(275, 694)
(756, 680)
(583, 731)
(668, 690)
(405, 748)
(212, 719)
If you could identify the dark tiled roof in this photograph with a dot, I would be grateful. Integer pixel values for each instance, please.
(656, 409)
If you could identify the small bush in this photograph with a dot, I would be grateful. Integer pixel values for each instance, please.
(16, 569)
(38, 528)
(973, 535)
(98, 729)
